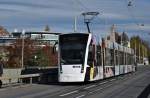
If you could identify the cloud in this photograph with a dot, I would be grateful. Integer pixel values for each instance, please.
(24, 3)
(113, 16)
(59, 15)
(8, 10)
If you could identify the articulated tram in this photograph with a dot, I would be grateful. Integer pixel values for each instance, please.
(83, 58)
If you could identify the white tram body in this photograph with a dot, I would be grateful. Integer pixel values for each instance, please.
(82, 58)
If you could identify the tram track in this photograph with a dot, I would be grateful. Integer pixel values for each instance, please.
(84, 90)
(95, 87)
(100, 89)
(79, 90)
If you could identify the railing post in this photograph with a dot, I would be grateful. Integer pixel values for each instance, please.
(10, 84)
(20, 80)
(30, 80)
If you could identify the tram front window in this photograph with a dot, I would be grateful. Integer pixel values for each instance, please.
(72, 53)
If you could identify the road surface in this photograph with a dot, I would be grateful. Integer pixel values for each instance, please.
(135, 85)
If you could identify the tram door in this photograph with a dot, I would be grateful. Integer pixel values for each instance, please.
(92, 69)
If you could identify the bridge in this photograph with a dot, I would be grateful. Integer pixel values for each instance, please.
(132, 85)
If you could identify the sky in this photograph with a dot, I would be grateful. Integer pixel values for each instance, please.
(34, 15)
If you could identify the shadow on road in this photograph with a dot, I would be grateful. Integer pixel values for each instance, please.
(145, 93)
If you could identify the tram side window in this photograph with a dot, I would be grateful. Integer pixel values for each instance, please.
(116, 56)
(108, 57)
(121, 58)
(127, 59)
(90, 56)
(131, 59)
(98, 56)
(112, 56)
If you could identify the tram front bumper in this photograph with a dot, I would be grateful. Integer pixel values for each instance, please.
(71, 78)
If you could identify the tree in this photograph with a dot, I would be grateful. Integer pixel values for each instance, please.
(140, 47)
(3, 31)
(47, 28)
(15, 52)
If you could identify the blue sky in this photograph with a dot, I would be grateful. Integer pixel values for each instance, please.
(33, 15)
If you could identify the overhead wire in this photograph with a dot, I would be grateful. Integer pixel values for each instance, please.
(88, 9)
(130, 6)
(81, 4)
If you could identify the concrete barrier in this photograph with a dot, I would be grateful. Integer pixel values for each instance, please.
(23, 75)
(20, 78)
(13, 73)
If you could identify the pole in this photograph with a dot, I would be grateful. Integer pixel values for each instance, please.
(114, 50)
(87, 24)
(143, 53)
(135, 51)
(88, 16)
(22, 58)
(75, 24)
(121, 39)
(139, 54)
(102, 59)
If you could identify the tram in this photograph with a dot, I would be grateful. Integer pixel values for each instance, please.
(83, 58)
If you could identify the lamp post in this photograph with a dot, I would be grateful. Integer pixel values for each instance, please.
(135, 51)
(75, 24)
(88, 16)
(22, 52)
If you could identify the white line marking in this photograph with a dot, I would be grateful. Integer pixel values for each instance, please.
(100, 88)
(112, 79)
(3, 89)
(96, 90)
(80, 96)
(16, 87)
(89, 86)
(68, 93)
(103, 82)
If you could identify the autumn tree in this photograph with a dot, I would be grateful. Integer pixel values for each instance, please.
(15, 52)
(140, 47)
(37, 53)
(3, 31)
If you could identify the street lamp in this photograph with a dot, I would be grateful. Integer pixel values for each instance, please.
(22, 54)
(88, 16)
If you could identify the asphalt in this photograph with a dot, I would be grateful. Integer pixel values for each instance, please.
(133, 85)
(136, 85)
